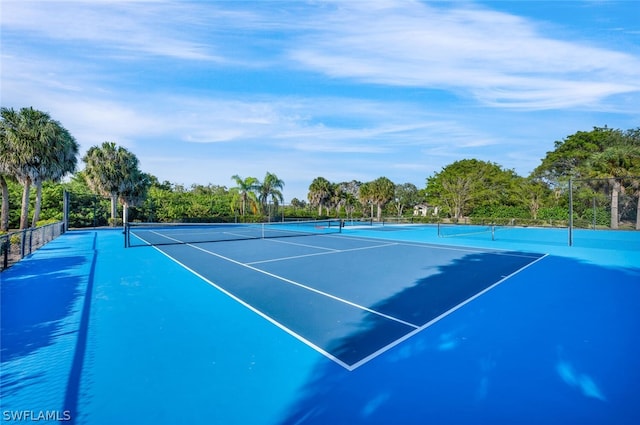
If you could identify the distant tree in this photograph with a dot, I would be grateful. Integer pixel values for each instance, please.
(366, 197)
(270, 189)
(86, 208)
(533, 194)
(603, 153)
(405, 195)
(352, 187)
(570, 155)
(469, 183)
(635, 186)
(347, 196)
(382, 191)
(211, 201)
(112, 171)
(336, 198)
(613, 164)
(350, 204)
(246, 189)
(134, 191)
(297, 203)
(319, 193)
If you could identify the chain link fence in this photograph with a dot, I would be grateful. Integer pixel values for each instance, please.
(14, 246)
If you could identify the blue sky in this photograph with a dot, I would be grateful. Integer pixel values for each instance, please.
(203, 90)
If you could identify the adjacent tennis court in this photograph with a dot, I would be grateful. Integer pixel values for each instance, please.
(316, 323)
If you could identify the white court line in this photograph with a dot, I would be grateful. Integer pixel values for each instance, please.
(441, 316)
(419, 244)
(258, 312)
(291, 257)
(502, 252)
(317, 291)
(299, 244)
(162, 236)
(437, 246)
(333, 251)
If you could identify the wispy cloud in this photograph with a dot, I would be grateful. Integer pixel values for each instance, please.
(501, 59)
(121, 28)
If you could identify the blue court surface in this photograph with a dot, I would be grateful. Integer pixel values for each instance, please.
(373, 325)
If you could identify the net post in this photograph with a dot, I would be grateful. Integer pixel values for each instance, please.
(439, 229)
(493, 232)
(126, 235)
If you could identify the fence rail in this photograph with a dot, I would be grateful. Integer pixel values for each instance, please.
(14, 246)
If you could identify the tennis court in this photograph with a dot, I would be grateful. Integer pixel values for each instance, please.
(318, 289)
(320, 324)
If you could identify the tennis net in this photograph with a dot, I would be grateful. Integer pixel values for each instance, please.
(465, 230)
(143, 234)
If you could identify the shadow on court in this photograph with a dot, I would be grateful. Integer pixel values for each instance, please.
(44, 306)
(555, 344)
(35, 303)
(438, 293)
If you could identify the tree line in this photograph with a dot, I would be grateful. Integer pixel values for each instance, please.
(355, 197)
(37, 151)
(603, 165)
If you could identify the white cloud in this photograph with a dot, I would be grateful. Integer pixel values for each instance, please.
(500, 59)
(503, 60)
(114, 28)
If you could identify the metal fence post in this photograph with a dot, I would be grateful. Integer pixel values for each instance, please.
(570, 212)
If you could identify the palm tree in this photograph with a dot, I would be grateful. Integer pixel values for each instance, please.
(319, 193)
(134, 191)
(349, 196)
(246, 189)
(350, 202)
(16, 152)
(336, 198)
(10, 158)
(382, 192)
(6, 171)
(35, 148)
(613, 164)
(270, 188)
(635, 186)
(365, 194)
(60, 160)
(113, 171)
(633, 159)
